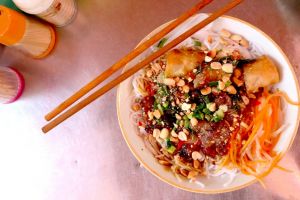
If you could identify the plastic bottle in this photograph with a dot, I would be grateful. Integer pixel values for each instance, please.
(25, 33)
(11, 85)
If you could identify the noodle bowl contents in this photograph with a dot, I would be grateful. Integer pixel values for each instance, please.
(208, 107)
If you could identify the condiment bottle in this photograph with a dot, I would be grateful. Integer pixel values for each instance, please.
(57, 12)
(11, 85)
(25, 33)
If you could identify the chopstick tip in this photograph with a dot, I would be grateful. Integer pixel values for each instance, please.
(45, 130)
(49, 116)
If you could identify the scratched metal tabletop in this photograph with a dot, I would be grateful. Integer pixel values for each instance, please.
(86, 157)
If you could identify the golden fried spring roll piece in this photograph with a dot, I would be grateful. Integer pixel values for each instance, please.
(261, 73)
(182, 61)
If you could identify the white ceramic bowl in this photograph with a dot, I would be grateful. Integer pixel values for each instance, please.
(288, 84)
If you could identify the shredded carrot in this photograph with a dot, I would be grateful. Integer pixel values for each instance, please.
(257, 161)
(287, 98)
(256, 156)
(284, 169)
(261, 182)
(273, 164)
(257, 123)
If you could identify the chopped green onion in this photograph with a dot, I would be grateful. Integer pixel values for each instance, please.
(190, 116)
(158, 121)
(235, 62)
(216, 118)
(186, 123)
(163, 90)
(174, 128)
(162, 42)
(171, 149)
(213, 83)
(197, 43)
(155, 105)
(166, 104)
(208, 117)
(206, 99)
(160, 108)
(199, 115)
(206, 111)
(169, 143)
(218, 115)
(227, 83)
(200, 106)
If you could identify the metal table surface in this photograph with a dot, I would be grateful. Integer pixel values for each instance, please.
(86, 157)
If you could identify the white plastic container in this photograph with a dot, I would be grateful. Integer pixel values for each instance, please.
(57, 12)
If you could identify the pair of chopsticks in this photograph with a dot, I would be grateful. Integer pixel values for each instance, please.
(142, 47)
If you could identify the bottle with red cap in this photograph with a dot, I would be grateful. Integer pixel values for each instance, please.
(11, 85)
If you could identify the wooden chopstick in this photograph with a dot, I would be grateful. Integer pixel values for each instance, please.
(118, 65)
(138, 66)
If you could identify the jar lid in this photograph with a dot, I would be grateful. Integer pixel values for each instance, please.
(12, 26)
(34, 7)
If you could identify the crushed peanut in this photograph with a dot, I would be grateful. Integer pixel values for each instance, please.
(186, 89)
(194, 121)
(182, 136)
(197, 156)
(224, 108)
(245, 100)
(211, 107)
(169, 81)
(221, 85)
(236, 37)
(228, 68)
(186, 106)
(231, 90)
(150, 115)
(157, 114)
(178, 116)
(180, 83)
(174, 134)
(156, 133)
(206, 91)
(164, 133)
(216, 65)
(149, 73)
(207, 59)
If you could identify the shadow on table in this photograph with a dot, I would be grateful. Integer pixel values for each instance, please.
(1, 49)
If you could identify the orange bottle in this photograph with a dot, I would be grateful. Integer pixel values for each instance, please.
(25, 33)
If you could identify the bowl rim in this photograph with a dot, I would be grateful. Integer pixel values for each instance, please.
(200, 190)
